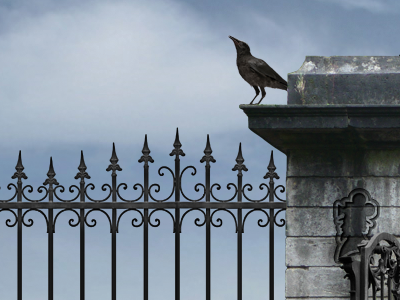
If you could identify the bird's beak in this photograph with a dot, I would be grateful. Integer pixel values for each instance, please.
(236, 41)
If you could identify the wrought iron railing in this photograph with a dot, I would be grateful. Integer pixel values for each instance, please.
(149, 204)
(375, 270)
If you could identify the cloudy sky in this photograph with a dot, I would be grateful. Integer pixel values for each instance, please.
(80, 75)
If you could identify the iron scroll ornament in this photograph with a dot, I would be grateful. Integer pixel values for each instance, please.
(354, 217)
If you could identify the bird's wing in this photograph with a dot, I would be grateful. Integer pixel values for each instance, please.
(261, 67)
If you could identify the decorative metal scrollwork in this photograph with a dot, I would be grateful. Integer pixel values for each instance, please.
(375, 268)
(146, 204)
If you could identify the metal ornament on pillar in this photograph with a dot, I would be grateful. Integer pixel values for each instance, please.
(354, 217)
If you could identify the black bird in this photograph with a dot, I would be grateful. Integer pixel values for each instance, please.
(256, 71)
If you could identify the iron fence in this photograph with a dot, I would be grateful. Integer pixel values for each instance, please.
(374, 271)
(146, 205)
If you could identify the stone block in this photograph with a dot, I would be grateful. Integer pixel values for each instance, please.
(310, 252)
(388, 221)
(342, 163)
(316, 191)
(327, 163)
(324, 282)
(323, 191)
(346, 80)
(310, 222)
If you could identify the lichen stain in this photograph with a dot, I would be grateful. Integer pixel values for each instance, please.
(372, 65)
(309, 66)
(348, 68)
(300, 87)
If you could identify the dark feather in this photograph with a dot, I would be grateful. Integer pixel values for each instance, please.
(262, 68)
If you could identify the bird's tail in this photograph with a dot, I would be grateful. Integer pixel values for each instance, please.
(283, 85)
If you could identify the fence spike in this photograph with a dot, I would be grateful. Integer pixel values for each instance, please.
(114, 159)
(207, 151)
(19, 167)
(51, 174)
(239, 159)
(271, 169)
(146, 151)
(82, 165)
(113, 166)
(82, 168)
(177, 146)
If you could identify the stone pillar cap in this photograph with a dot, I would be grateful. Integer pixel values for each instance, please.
(325, 80)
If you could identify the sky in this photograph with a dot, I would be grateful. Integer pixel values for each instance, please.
(80, 75)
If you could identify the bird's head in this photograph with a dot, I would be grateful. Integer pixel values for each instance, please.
(241, 47)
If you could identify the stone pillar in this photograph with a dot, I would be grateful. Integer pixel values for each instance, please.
(340, 131)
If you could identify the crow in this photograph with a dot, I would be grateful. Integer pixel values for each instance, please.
(255, 71)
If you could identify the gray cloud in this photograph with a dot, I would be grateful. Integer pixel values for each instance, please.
(111, 70)
(374, 6)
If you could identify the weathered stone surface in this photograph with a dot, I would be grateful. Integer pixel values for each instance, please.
(310, 252)
(326, 126)
(323, 191)
(315, 191)
(318, 222)
(346, 80)
(346, 162)
(316, 282)
(310, 222)
(302, 163)
(388, 221)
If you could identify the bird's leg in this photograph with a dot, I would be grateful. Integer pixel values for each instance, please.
(263, 93)
(257, 93)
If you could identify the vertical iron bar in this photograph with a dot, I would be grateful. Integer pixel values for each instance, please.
(271, 175)
(114, 246)
(382, 286)
(146, 158)
(19, 245)
(389, 288)
(239, 167)
(82, 248)
(50, 248)
(114, 167)
(239, 240)
(50, 181)
(271, 253)
(19, 174)
(82, 175)
(177, 182)
(114, 242)
(207, 158)
(177, 230)
(146, 253)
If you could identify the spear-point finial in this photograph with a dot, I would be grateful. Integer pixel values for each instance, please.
(19, 167)
(207, 151)
(82, 168)
(82, 165)
(114, 166)
(146, 151)
(177, 145)
(114, 158)
(271, 169)
(239, 159)
(51, 174)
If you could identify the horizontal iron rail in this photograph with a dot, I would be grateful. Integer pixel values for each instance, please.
(138, 205)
